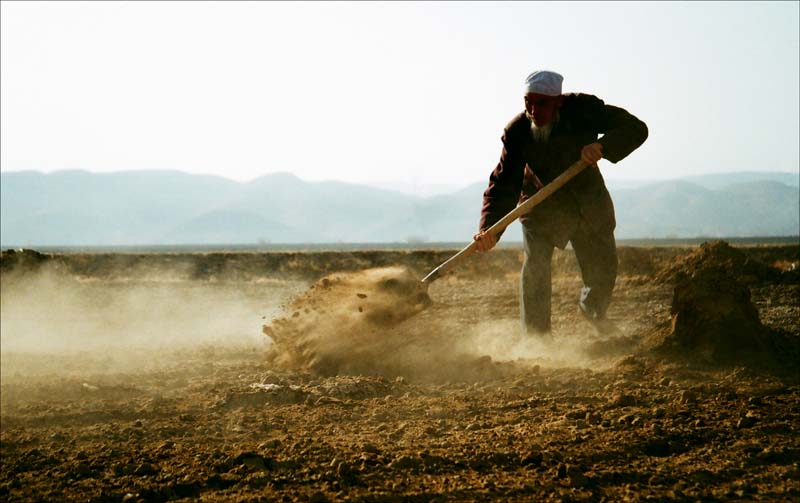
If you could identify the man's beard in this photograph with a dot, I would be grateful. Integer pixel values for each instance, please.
(541, 134)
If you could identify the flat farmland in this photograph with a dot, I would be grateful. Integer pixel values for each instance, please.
(147, 377)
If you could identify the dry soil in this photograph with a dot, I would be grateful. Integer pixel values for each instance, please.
(147, 378)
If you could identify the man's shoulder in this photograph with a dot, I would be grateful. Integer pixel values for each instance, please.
(581, 101)
(582, 111)
(520, 121)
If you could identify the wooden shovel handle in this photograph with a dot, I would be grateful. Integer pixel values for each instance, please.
(512, 215)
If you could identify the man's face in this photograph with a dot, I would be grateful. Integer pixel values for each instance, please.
(542, 109)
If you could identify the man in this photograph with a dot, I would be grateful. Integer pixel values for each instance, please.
(539, 144)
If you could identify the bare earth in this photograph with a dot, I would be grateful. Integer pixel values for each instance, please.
(148, 378)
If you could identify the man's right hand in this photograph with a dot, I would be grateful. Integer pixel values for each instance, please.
(485, 240)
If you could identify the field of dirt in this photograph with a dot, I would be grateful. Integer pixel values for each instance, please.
(149, 377)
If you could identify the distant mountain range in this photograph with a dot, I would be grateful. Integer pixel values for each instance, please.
(714, 181)
(78, 208)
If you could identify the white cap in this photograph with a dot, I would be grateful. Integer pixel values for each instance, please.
(544, 82)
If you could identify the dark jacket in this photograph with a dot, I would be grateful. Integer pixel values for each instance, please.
(584, 199)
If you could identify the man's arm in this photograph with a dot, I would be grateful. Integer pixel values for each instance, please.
(505, 182)
(623, 132)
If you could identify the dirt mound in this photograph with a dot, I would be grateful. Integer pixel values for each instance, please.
(723, 259)
(713, 317)
(341, 314)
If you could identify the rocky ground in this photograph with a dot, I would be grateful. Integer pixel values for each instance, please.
(485, 416)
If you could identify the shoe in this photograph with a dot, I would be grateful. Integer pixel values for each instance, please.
(603, 325)
(532, 331)
(542, 336)
(587, 312)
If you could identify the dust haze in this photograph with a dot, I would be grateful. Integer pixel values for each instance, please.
(132, 321)
(382, 321)
(372, 321)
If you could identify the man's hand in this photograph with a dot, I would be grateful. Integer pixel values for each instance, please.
(592, 153)
(486, 241)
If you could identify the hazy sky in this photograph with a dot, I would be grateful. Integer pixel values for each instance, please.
(381, 92)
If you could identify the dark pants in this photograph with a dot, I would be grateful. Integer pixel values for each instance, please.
(597, 257)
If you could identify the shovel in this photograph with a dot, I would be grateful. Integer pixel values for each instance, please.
(504, 222)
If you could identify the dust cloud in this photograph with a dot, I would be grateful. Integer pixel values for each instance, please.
(382, 322)
(53, 321)
(504, 341)
(377, 321)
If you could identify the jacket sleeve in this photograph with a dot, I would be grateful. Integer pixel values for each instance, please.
(622, 132)
(505, 182)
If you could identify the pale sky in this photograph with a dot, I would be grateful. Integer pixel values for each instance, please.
(416, 93)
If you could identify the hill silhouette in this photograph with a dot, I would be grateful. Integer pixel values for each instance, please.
(78, 208)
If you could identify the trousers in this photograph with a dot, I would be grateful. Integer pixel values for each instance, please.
(596, 252)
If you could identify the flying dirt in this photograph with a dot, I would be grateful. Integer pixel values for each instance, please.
(342, 314)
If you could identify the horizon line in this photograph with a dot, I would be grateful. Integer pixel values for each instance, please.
(373, 183)
(788, 240)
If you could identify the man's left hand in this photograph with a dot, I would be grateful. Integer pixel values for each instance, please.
(592, 153)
